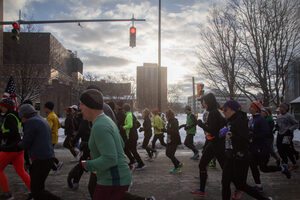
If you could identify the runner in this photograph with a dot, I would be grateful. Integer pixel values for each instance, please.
(215, 145)
(106, 146)
(173, 140)
(158, 125)
(236, 165)
(147, 128)
(54, 124)
(37, 139)
(9, 152)
(190, 128)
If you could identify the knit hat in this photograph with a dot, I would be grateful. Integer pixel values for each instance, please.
(155, 111)
(49, 105)
(92, 98)
(126, 107)
(285, 106)
(26, 111)
(188, 108)
(232, 104)
(8, 103)
(256, 105)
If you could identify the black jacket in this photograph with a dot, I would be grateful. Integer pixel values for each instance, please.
(70, 125)
(238, 125)
(121, 121)
(83, 132)
(147, 126)
(9, 140)
(133, 135)
(173, 136)
(215, 123)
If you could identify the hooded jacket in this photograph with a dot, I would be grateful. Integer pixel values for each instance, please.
(10, 132)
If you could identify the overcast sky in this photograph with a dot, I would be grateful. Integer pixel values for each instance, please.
(104, 47)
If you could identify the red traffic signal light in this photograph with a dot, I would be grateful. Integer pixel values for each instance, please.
(16, 25)
(132, 38)
(132, 30)
(15, 31)
(200, 91)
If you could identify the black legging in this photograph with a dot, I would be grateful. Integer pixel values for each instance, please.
(212, 149)
(170, 152)
(55, 161)
(159, 137)
(189, 142)
(260, 163)
(145, 146)
(236, 171)
(132, 147)
(285, 150)
(68, 144)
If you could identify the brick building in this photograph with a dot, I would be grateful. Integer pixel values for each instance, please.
(42, 65)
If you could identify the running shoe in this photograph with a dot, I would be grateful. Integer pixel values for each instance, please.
(259, 188)
(149, 159)
(59, 165)
(294, 167)
(195, 156)
(237, 194)
(199, 193)
(212, 164)
(180, 165)
(269, 198)
(285, 170)
(175, 170)
(138, 168)
(7, 196)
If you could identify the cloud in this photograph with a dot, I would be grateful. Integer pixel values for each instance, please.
(93, 60)
(106, 45)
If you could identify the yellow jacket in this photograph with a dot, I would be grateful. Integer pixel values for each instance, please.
(54, 124)
(158, 124)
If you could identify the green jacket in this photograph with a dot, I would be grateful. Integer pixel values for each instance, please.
(191, 123)
(158, 123)
(128, 123)
(108, 159)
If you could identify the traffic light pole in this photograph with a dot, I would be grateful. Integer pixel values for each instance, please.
(159, 60)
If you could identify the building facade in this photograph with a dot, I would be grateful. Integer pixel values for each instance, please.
(40, 64)
(147, 86)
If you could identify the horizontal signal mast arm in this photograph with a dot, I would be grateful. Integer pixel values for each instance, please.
(69, 21)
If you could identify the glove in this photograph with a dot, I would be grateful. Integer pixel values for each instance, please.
(182, 126)
(223, 132)
(200, 123)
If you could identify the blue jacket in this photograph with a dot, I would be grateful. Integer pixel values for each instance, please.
(260, 130)
(37, 138)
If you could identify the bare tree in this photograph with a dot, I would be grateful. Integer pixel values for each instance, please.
(174, 95)
(89, 76)
(269, 37)
(218, 52)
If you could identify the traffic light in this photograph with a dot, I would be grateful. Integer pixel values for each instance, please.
(15, 31)
(132, 32)
(200, 91)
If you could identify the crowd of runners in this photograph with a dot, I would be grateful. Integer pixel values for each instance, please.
(102, 138)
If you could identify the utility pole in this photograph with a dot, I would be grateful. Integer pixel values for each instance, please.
(159, 59)
(194, 100)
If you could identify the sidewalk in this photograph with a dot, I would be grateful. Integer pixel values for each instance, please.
(156, 180)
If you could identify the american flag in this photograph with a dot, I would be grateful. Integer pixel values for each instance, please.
(10, 91)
